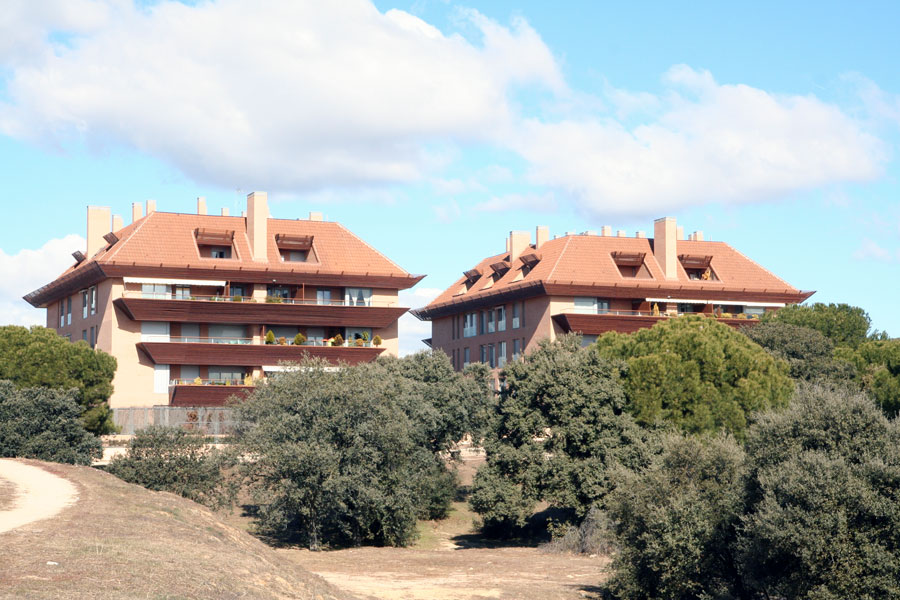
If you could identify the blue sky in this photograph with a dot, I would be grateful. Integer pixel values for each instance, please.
(432, 129)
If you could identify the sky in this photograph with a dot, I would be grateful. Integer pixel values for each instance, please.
(432, 129)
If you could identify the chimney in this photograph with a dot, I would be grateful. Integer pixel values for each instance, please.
(137, 211)
(621, 233)
(679, 232)
(151, 206)
(698, 236)
(118, 223)
(606, 231)
(201, 205)
(98, 218)
(257, 224)
(518, 242)
(315, 216)
(224, 211)
(664, 233)
(541, 235)
(640, 234)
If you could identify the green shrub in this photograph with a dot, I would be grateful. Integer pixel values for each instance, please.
(843, 324)
(173, 460)
(44, 424)
(270, 337)
(299, 339)
(377, 341)
(337, 340)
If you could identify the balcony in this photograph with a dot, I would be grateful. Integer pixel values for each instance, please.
(244, 355)
(206, 393)
(626, 321)
(277, 311)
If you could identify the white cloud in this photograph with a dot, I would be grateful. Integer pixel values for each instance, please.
(281, 94)
(871, 250)
(512, 202)
(28, 270)
(25, 24)
(412, 330)
(707, 142)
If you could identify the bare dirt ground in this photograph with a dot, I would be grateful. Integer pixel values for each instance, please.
(38, 494)
(452, 562)
(8, 493)
(121, 541)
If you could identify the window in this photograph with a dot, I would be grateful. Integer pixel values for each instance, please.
(501, 354)
(84, 334)
(469, 325)
(238, 290)
(515, 315)
(358, 296)
(323, 296)
(182, 292)
(93, 291)
(62, 313)
(687, 308)
(226, 373)
(84, 304)
(159, 291)
(315, 335)
(602, 306)
(278, 291)
(487, 354)
(69, 310)
(465, 357)
(160, 379)
(754, 310)
(93, 339)
(294, 255)
(517, 349)
(220, 252)
(501, 318)
(585, 305)
(489, 315)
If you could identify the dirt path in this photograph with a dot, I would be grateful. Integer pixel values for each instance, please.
(38, 494)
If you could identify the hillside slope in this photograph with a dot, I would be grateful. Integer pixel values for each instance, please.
(122, 541)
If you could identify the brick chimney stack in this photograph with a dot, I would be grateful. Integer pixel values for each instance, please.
(541, 235)
(257, 224)
(98, 223)
(137, 211)
(201, 205)
(664, 238)
(518, 242)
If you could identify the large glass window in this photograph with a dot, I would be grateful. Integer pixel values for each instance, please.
(489, 316)
(501, 318)
(501, 354)
(69, 310)
(358, 296)
(93, 300)
(517, 349)
(62, 313)
(465, 357)
(469, 325)
(220, 252)
(226, 373)
(278, 291)
(182, 292)
(84, 304)
(585, 305)
(160, 291)
(323, 296)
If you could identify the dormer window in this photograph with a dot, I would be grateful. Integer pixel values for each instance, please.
(698, 268)
(295, 248)
(631, 265)
(214, 243)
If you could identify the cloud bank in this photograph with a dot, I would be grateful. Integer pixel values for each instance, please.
(305, 96)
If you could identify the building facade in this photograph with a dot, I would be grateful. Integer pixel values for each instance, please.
(185, 301)
(591, 283)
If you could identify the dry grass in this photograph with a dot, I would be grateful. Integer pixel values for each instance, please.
(122, 541)
(7, 494)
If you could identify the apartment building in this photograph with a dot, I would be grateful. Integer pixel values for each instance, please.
(185, 301)
(594, 282)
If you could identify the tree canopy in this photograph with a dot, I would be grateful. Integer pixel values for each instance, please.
(697, 374)
(38, 357)
(351, 456)
(559, 428)
(809, 354)
(44, 424)
(877, 365)
(843, 324)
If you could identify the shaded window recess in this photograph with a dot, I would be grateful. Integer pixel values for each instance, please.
(295, 248)
(215, 243)
(631, 265)
(698, 268)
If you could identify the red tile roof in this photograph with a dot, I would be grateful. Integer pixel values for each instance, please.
(164, 241)
(586, 261)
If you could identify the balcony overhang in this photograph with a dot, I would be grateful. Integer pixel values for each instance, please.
(599, 324)
(207, 395)
(204, 311)
(238, 355)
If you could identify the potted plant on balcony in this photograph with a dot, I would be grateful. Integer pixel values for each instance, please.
(270, 337)
(359, 342)
(655, 309)
(282, 341)
(365, 338)
(337, 340)
(248, 380)
(377, 340)
(299, 339)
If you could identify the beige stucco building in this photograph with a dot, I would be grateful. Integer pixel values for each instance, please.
(184, 301)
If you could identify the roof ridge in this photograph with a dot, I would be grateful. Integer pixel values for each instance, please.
(134, 230)
(372, 248)
(559, 257)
